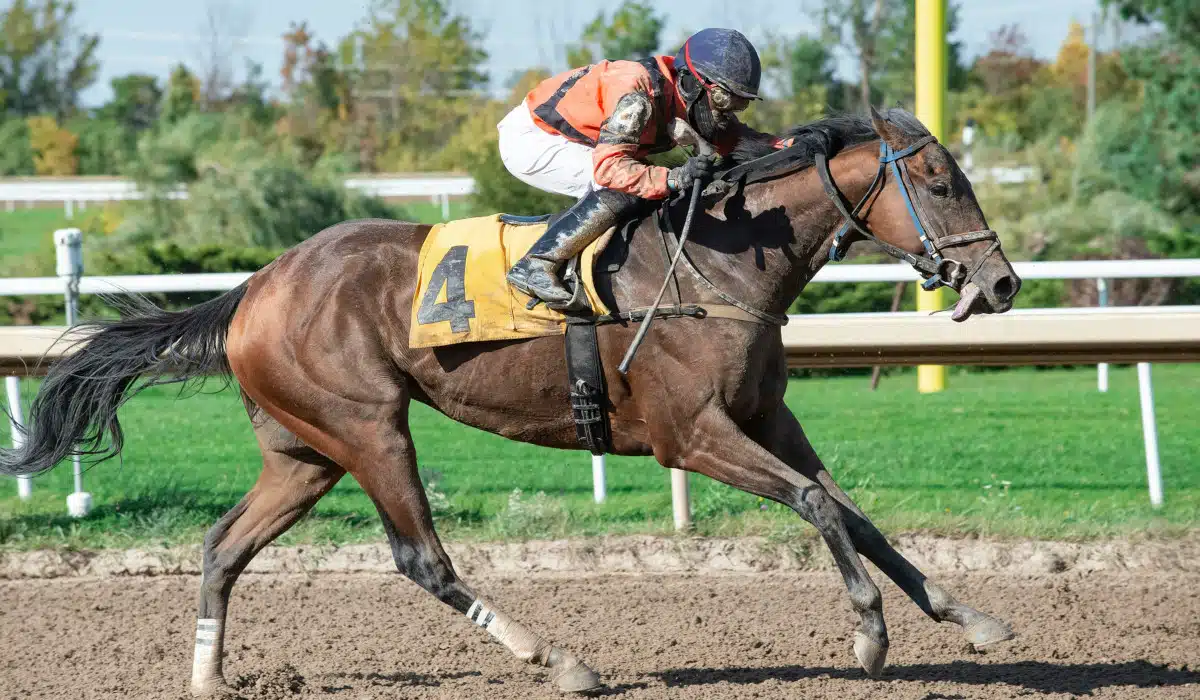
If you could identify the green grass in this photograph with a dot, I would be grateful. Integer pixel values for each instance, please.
(430, 213)
(1009, 454)
(27, 231)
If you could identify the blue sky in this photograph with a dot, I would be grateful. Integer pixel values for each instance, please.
(152, 35)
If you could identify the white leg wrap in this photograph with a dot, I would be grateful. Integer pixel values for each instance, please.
(206, 663)
(525, 645)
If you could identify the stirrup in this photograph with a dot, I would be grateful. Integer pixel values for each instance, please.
(570, 281)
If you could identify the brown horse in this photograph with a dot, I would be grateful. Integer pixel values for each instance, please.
(318, 341)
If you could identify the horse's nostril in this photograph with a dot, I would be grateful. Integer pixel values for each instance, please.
(1004, 288)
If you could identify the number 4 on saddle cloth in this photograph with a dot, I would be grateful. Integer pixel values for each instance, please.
(462, 296)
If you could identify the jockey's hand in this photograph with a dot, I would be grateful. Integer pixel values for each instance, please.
(696, 168)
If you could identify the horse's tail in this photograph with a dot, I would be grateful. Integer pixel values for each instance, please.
(76, 408)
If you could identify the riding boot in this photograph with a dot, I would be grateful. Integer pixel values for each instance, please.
(536, 274)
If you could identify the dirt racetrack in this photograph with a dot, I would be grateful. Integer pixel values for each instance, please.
(1103, 635)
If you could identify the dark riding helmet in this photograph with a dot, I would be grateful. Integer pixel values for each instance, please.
(723, 57)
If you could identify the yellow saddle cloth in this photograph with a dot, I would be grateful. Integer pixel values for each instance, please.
(462, 296)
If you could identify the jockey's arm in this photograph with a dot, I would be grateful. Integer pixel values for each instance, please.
(614, 161)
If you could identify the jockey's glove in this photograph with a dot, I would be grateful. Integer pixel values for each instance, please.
(696, 168)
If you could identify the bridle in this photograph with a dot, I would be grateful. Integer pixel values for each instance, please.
(937, 270)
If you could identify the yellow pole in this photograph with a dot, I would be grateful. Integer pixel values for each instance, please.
(931, 104)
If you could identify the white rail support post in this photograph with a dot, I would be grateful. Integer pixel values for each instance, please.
(1102, 368)
(68, 248)
(599, 486)
(16, 416)
(445, 201)
(681, 502)
(1150, 434)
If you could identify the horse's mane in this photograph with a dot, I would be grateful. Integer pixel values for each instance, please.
(829, 135)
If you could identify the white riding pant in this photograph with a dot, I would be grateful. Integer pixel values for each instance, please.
(546, 161)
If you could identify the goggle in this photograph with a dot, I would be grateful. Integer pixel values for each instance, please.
(725, 101)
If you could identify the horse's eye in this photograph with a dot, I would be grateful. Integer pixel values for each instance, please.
(939, 189)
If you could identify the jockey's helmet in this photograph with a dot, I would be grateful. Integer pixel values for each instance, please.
(724, 58)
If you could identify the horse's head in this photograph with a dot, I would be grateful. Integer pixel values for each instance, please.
(923, 205)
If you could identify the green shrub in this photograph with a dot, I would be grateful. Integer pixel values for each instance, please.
(246, 188)
(104, 145)
(16, 151)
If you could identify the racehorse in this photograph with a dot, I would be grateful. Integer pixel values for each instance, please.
(318, 342)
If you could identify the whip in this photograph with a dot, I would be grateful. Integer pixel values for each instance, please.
(683, 134)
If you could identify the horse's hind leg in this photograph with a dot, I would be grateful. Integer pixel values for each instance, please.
(385, 464)
(294, 477)
(791, 445)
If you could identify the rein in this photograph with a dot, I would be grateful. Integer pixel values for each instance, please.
(937, 270)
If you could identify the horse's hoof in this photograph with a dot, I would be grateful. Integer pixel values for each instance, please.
(986, 631)
(577, 678)
(871, 654)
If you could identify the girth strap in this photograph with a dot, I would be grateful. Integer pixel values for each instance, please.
(697, 311)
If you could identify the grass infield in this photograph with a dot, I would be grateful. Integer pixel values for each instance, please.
(1015, 453)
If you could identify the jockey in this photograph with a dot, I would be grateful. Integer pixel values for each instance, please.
(586, 133)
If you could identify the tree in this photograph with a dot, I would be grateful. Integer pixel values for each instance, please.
(182, 95)
(16, 153)
(250, 100)
(310, 74)
(1181, 18)
(223, 34)
(104, 144)
(319, 113)
(1009, 62)
(799, 73)
(856, 25)
(135, 102)
(881, 35)
(44, 62)
(414, 68)
(809, 62)
(632, 33)
(53, 147)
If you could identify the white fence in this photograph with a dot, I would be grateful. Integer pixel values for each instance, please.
(1018, 337)
(79, 192)
(224, 281)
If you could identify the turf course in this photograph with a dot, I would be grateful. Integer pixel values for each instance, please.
(1008, 453)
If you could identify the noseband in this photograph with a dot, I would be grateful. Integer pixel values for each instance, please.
(937, 270)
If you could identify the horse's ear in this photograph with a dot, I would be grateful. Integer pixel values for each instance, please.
(890, 135)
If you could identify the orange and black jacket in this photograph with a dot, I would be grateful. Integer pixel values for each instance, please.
(623, 110)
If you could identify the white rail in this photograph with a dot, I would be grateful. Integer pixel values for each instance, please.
(222, 281)
(108, 189)
(116, 189)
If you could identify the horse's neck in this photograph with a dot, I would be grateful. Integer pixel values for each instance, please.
(763, 243)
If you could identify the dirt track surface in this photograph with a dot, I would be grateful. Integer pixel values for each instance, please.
(1105, 635)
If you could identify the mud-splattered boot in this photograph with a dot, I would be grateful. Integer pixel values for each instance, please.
(536, 274)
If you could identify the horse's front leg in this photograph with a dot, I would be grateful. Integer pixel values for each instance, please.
(721, 450)
(781, 433)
